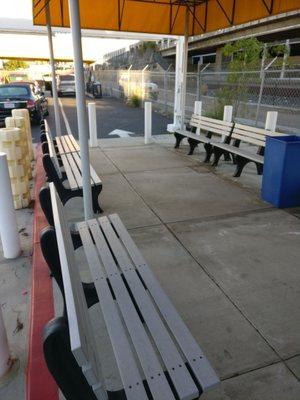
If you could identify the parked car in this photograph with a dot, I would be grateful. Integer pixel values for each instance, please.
(23, 95)
(65, 84)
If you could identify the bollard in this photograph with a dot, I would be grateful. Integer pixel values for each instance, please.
(148, 122)
(198, 107)
(5, 359)
(271, 120)
(93, 124)
(227, 116)
(8, 222)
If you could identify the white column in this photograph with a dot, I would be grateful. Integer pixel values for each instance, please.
(5, 362)
(82, 118)
(8, 223)
(271, 120)
(52, 64)
(93, 124)
(148, 122)
(198, 107)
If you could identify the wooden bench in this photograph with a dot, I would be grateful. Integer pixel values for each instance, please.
(64, 153)
(210, 126)
(249, 135)
(155, 353)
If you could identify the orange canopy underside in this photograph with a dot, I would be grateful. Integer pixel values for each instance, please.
(162, 16)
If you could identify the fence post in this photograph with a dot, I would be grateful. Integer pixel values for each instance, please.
(8, 223)
(198, 81)
(92, 124)
(166, 91)
(148, 122)
(271, 120)
(261, 89)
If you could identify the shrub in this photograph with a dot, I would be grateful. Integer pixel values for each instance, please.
(134, 101)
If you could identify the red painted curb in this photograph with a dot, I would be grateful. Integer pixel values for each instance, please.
(39, 382)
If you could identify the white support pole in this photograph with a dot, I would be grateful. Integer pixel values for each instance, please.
(8, 223)
(148, 122)
(52, 64)
(198, 107)
(82, 118)
(93, 124)
(271, 120)
(5, 359)
(178, 82)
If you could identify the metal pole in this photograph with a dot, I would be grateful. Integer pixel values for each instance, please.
(52, 64)
(184, 67)
(285, 58)
(198, 81)
(82, 117)
(165, 91)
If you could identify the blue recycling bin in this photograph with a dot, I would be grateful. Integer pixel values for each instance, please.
(281, 177)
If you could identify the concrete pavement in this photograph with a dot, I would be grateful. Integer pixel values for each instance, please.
(228, 261)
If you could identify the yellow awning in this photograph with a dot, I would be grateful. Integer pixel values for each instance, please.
(165, 17)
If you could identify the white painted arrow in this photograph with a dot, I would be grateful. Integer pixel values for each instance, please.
(121, 133)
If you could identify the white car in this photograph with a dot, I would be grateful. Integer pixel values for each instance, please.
(66, 84)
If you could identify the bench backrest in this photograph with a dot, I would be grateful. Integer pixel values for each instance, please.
(82, 339)
(52, 151)
(212, 125)
(252, 135)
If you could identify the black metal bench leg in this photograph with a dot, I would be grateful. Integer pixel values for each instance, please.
(62, 364)
(96, 190)
(240, 164)
(178, 138)
(193, 144)
(209, 151)
(217, 155)
(227, 156)
(259, 168)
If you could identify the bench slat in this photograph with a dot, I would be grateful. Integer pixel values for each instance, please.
(70, 171)
(82, 340)
(52, 151)
(199, 138)
(173, 361)
(95, 178)
(150, 364)
(247, 139)
(241, 152)
(130, 375)
(200, 366)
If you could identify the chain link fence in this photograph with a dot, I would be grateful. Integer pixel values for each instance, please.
(252, 93)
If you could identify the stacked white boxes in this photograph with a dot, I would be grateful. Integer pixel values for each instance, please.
(20, 122)
(22, 112)
(12, 143)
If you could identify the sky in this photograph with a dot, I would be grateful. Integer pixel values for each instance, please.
(18, 14)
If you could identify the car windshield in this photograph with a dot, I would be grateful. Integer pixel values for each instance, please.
(67, 78)
(13, 91)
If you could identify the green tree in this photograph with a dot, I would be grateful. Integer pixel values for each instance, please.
(245, 55)
(13, 65)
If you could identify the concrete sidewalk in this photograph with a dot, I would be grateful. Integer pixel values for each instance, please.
(228, 261)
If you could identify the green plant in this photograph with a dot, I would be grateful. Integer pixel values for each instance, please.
(245, 57)
(12, 65)
(134, 101)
